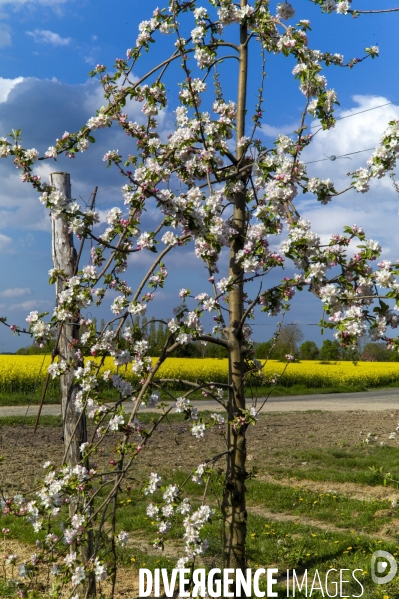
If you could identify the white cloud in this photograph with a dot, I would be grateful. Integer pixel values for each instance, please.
(6, 85)
(32, 305)
(376, 211)
(272, 131)
(15, 292)
(356, 132)
(5, 242)
(49, 37)
(58, 107)
(19, 209)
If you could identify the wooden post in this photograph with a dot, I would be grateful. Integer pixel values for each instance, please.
(74, 423)
(64, 258)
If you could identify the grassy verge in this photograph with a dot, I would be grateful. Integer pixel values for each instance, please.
(363, 465)
(335, 509)
(24, 399)
(29, 421)
(302, 547)
(56, 421)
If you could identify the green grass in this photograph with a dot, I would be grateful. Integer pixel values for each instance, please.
(29, 421)
(7, 590)
(20, 530)
(330, 508)
(297, 546)
(288, 546)
(23, 399)
(358, 464)
(285, 545)
(20, 398)
(144, 417)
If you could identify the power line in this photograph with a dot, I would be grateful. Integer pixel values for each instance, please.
(332, 158)
(101, 191)
(348, 116)
(289, 324)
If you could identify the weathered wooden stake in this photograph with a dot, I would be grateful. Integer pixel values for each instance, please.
(73, 422)
(64, 258)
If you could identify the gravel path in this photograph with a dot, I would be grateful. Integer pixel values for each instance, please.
(377, 399)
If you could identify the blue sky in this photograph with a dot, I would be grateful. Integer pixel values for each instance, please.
(47, 48)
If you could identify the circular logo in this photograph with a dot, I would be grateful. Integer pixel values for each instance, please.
(383, 570)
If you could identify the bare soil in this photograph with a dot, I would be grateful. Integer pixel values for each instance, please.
(127, 585)
(355, 490)
(172, 446)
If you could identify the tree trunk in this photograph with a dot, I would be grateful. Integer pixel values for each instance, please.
(234, 506)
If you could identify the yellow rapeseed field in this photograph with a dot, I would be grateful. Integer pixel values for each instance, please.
(25, 373)
(22, 373)
(309, 373)
(315, 374)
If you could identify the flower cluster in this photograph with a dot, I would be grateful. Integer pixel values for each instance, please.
(166, 513)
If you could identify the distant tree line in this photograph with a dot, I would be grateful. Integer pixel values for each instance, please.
(287, 342)
(33, 350)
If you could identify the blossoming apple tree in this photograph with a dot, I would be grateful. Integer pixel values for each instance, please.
(218, 188)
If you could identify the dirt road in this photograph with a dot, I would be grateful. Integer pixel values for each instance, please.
(370, 401)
